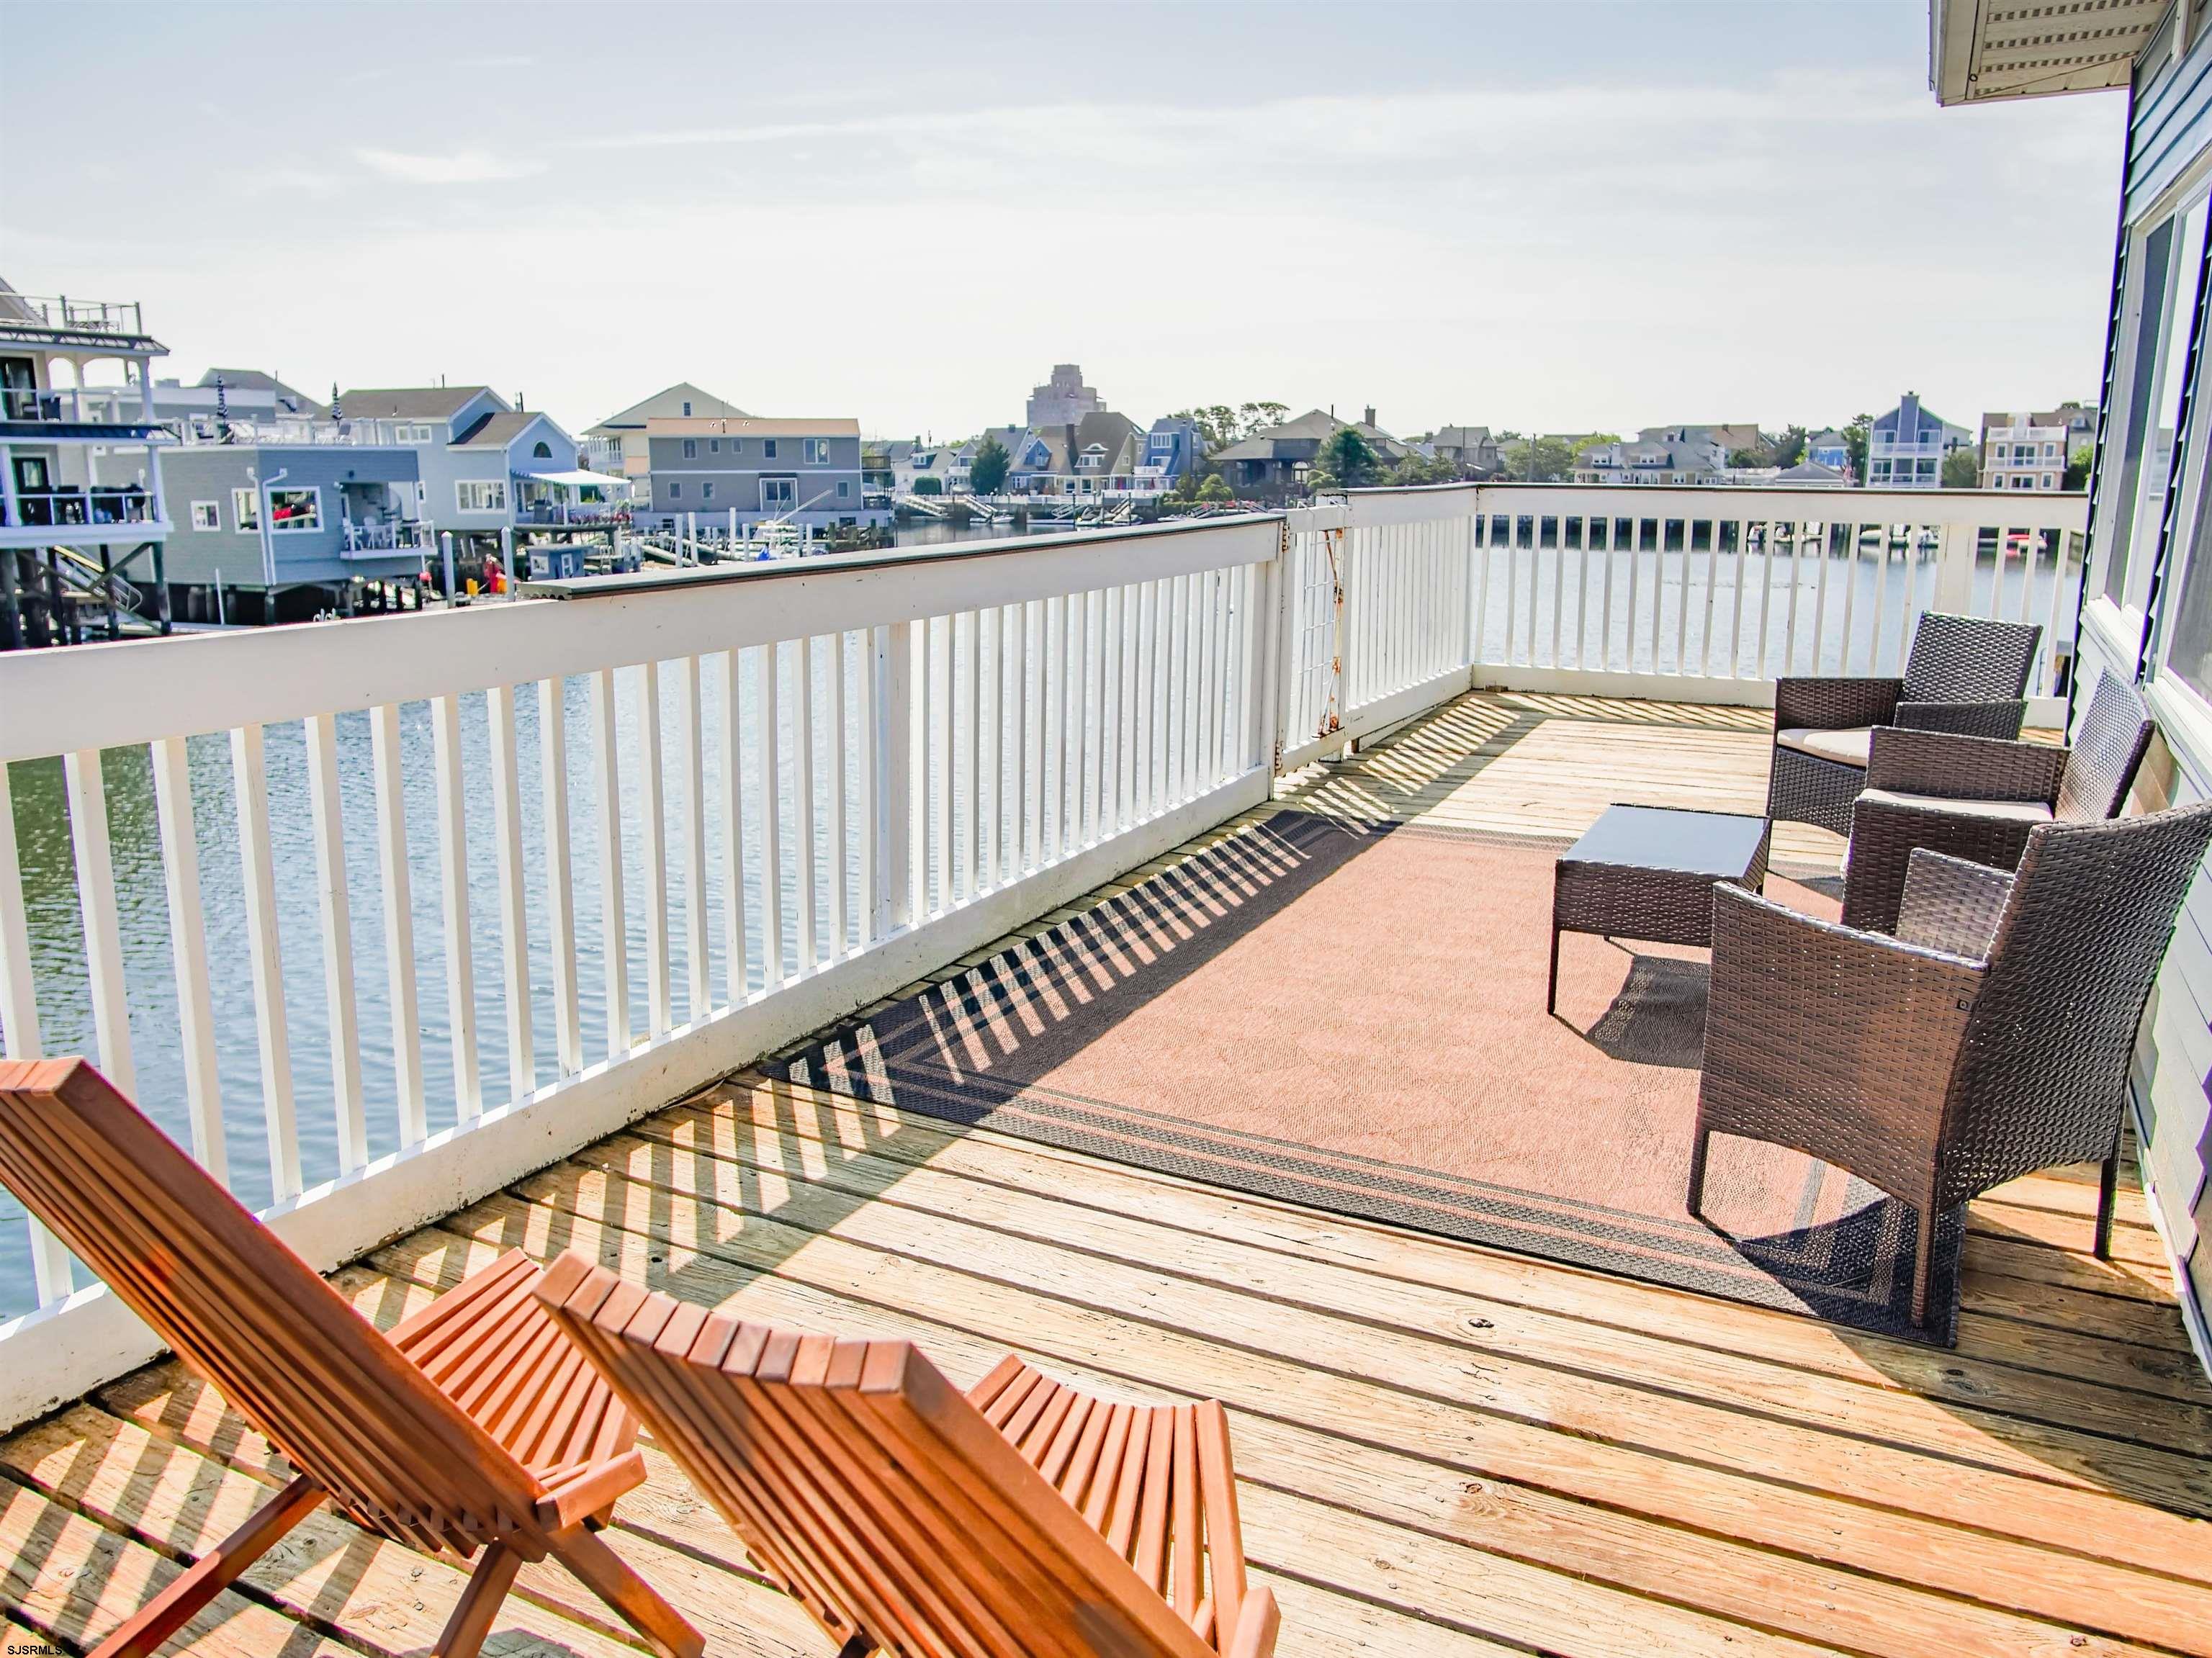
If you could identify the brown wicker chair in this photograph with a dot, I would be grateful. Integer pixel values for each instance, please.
(1988, 1039)
(1965, 675)
(1978, 799)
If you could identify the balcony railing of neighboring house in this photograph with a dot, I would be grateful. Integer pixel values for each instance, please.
(201, 430)
(96, 405)
(1213, 656)
(388, 535)
(80, 316)
(584, 513)
(78, 509)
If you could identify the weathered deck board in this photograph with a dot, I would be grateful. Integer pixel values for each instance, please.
(1446, 1451)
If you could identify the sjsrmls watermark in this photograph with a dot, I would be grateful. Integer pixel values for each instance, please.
(31, 1649)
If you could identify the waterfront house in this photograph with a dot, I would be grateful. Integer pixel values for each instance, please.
(1829, 449)
(2023, 451)
(486, 466)
(1906, 447)
(800, 472)
(79, 489)
(1659, 454)
(1175, 449)
(618, 444)
(1272, 462)
(285, 529)
(1470, 448)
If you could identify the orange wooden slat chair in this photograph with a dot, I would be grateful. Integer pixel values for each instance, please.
(475, 1428)
(1024, 1520)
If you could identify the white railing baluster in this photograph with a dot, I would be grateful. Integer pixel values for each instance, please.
(52, 1274)
(736, 970)
(614, 925)
(771, 817)
(559, 891)
(250, 781)
(180, 866)
(970, 623)
(868, 725)
(394, 882)
(337, 915)
(841, 656)
(514, 913)
(802, 790)
(1028, 774)
(1742, 529)
(894, 688)
(454, 873)
(691, 755)
(991, 731)
(652, 835)
(103, 938)
(1150, 712)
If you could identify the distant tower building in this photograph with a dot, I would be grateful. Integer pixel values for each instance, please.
(1063, 400)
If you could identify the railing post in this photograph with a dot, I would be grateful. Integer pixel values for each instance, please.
(1954, 566)
(1263, 656)
(892, 710)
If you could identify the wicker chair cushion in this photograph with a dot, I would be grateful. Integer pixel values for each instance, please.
(1849, 747)
(2016, 811)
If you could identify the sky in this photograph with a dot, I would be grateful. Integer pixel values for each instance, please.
(1547, 215)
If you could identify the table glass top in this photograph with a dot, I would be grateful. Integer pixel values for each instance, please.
(1717, 843)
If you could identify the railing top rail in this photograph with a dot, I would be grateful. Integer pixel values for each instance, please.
(109, 695)
(2040, 509)
(713, 575)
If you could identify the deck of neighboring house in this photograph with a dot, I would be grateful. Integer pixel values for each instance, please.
(1445, 1450)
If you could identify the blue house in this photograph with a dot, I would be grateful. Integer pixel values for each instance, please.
(1173, 451)
(1828, 448)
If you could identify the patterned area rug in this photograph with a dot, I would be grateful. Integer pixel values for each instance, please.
(1352, 1018)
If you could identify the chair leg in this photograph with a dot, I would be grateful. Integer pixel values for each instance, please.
(607, 1575)
(1924, 1262)
(1698, 1169)
(464, 1632)
(213, 1572)
(2108, 1187)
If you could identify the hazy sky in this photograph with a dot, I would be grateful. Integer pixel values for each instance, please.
(1555, 216)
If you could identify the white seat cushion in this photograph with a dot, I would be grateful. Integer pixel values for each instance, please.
(2017, 811)
(1849, 747)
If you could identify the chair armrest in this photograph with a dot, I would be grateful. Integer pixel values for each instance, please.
(1939, 762)
(1952, 904)
(1998, 719)
(1838, 1042)
(1831, 705)
(1257, 1626)
(1887, 835)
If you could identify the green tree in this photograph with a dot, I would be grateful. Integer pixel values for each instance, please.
(1962, 468)
(1216, 488)
(987, 473)
(1347, 457)
(1424, 469)
(1855, 445)
(1545, 458)
(2077, 468)
(929, 486)
(1251, 416)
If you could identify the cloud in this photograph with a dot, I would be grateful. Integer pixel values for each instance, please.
(462, 166)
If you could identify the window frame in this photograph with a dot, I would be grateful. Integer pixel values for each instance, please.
(497, 485)
(215, 515)
(315, 525)
(245, 509)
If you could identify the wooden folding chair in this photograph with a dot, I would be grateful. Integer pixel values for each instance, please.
(476, 1426)
(1026, 1520)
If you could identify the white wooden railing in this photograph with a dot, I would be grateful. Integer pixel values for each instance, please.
(673, 822)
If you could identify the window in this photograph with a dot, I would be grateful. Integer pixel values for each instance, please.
(675, 492)
(768, 448)
(816, 451)
(541, 451)
(245, 509)
(714, 445)
(779, 494)
(737, 446)
(687, 411)
(2166, 301)
(291, 510)
(690, 448)
(206, 515)
(706, 490)
(844, 489)
(471, 496)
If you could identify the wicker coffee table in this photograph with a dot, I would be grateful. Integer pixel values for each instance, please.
(1649, 872)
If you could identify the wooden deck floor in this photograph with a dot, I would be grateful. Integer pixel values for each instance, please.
(1445, 1451)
